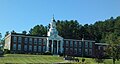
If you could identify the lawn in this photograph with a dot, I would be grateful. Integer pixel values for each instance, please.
(27, 58)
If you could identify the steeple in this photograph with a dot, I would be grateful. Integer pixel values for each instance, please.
(52, 30)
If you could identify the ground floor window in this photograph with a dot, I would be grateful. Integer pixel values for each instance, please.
(25, 47)
(14, 46)
(44, 49)
(35, 48)
(19, 46)
(30, 47)
(39, 48)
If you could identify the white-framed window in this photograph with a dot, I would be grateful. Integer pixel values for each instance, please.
(80, 51)
(86, 44)
(19, 46)
(30, 47)
(25, 47)
(80, 45)
(67, 43)
(14, 46)
(90, 44)
(39, 48)
(86, 51)
(19, 39)
(71, 43)
(14, 39)
(75, 51)
(44, 41)
(30, 40)
(44, 49)
(26, 40)
(35, 41)
(90, 51)
(35, 48)
(75, 43)
(40, 41)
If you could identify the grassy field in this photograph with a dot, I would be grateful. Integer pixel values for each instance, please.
(26, 58)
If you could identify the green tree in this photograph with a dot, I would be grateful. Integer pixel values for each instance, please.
(113, 50)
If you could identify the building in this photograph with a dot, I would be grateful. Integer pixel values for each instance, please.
(23, 43)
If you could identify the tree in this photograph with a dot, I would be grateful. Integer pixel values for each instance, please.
(113, 50)
(24, 32)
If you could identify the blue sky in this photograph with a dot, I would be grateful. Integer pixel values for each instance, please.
(22, 15)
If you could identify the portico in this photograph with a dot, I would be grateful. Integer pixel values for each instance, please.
(54, 41)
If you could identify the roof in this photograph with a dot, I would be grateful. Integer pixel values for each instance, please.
(101, 44)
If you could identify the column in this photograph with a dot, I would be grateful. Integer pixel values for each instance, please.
(61, 46)
(52, 46)
(47, 45)
(57, 46)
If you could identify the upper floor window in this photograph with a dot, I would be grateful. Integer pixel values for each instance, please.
(90, 44)
(44, 41)
(26, 40)
(14, 39)
(75, 50)
(79, 44)
(86, 44)
(19, 39)
(79, 51)
(75, 44)
(67, 43)
(30, 40)
(35, 41)
(71, 43)
(40, 41)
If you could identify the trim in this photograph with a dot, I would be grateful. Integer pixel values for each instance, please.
(79, 40)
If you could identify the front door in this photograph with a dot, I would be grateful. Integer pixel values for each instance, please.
(54, 47)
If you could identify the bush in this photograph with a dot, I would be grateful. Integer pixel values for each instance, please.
(47, 53)
(83, 60)
(6, 51)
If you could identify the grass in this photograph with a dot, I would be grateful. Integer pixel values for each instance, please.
(26, 58)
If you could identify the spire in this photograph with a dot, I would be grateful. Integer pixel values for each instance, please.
(53, 19)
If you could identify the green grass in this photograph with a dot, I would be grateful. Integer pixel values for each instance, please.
(26, 58)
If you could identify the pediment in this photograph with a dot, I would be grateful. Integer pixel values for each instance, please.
(55, 37)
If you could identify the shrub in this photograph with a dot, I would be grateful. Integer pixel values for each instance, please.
(83, 60)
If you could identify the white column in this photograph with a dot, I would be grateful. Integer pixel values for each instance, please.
(61, 46)
(52, 46)
(57, 45)
(47, 45)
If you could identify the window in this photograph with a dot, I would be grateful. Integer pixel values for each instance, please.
(35, 41)
(86, 44)
(40, 41)
(19, 39)
(75, 44)
(26, 40)
(39, 48)
(19, 46)
(44, 49)
(75, 51)
(44, 41)
(66, 49)
(80, 51)
(79, 44)
(67, 43)
(14, 46)
(90, 51)
(30, 40)
(14, 39)
(71, 43)
(86, 51)
(90, 44)
(30, 47)
(35, 48)
(25, 47)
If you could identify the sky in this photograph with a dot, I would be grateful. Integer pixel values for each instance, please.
(22, 15)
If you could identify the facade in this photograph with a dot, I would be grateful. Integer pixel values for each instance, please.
(23, 43)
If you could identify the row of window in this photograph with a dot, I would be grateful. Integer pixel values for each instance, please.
(29, 48)
(80, 44)
(30, 40)
(79, 51)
